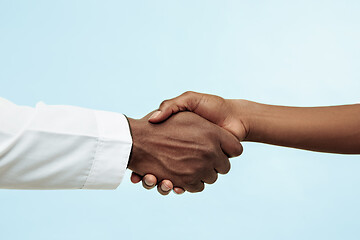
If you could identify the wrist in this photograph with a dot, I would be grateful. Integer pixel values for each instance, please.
(247, 114)
(135, 130)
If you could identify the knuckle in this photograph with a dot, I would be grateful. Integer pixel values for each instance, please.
(191, 190)
(226, 168)
(188, 93)
(164, 103)
(190, 180)
(221, 100)
(201, 167)
(211, 135)
(238, 150)
(213, 179)
(199, 187)
(207, 152)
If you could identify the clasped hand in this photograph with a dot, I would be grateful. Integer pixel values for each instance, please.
(184, 151)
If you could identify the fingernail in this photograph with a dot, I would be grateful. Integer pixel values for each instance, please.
(148, 183)
(155, 114)
(178, 192)
(164, 187)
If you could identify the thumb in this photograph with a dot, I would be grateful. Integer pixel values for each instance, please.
(185, 102)
(161, 115)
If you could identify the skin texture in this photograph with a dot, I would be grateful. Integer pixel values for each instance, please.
(187, 150)
(334, 129)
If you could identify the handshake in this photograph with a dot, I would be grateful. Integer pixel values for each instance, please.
(190, 139)
(184, 150)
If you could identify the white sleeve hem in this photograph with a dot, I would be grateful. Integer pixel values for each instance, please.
(112, 152)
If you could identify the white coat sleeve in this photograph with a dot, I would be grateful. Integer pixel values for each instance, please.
(62, 147)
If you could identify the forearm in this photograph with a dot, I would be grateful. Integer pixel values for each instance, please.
(333, 129)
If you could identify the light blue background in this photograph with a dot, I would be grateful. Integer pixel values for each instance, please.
(128, 56)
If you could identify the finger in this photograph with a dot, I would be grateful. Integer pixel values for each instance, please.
(211, 178)
(178, 190)
(230, 144)
(185, 102)
(135, 178)
(164, 188)
(149, 181)
(222, 165)
(199, 187)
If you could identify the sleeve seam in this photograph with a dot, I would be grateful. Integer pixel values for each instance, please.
(93, 159)
(93, 162)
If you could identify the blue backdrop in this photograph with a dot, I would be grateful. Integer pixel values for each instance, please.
(127, 56)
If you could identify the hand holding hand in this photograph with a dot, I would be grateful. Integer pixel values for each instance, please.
(187, 149)
(225, 113)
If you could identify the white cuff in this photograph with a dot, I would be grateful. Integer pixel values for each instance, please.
(112, 152)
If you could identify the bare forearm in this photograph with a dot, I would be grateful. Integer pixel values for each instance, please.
(333, 129)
